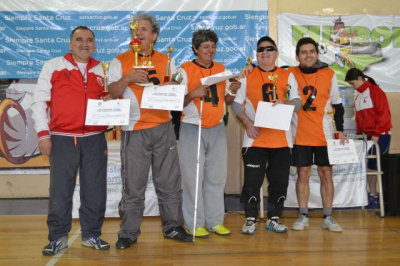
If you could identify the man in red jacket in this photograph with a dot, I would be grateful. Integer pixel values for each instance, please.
(59, 110)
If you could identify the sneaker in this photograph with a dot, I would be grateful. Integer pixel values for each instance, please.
(330, 224)
(200, 232)
(301, 223)
(373, 202)
(55, 246)
(178, 233)
(220, 230)
(95, 242)
(275, 225)
(124, 243)
(249, 227)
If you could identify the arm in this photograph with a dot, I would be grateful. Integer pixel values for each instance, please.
(42, 96)
(233, 86)
(294, 96)
(118, 83)
(238, 110)
(382, 110)
(339, 110)
(199, 92)
(248, 124)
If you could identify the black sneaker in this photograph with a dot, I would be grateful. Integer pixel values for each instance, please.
(55, 246)
(178, 233)
(124, 243)
(95, 242)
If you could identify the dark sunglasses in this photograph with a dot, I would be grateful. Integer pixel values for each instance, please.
(261, 49)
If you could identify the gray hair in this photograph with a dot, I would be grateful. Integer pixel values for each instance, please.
(201, 36)
(155, 28)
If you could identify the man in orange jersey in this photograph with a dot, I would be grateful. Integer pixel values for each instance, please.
(213, 146)
(148, 140)
(319, 93)
(262, 146)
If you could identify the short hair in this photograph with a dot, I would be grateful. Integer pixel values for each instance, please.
(155, 27)
(267, 39)
(81, 28)
(354, 73)
(303, 41)
(201, 36)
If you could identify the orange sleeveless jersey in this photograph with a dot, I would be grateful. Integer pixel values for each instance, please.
(310, 124)
(148, 117)
(212, 115)
(257, 83)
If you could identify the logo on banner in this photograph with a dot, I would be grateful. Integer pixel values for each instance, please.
(346, 46)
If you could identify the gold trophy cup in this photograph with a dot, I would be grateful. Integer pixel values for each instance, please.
(105, 66)
(167, 76)
(136, 44)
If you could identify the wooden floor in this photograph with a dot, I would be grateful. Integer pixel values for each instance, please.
(366, 240)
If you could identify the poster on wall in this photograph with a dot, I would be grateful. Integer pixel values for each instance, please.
(367, 42)
(34, 31)
(18, 139)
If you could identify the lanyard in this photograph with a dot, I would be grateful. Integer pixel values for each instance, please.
(315, 84)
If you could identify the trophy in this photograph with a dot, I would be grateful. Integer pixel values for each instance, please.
(335, 132)
(177, 77)
(288, 88)
(273, 79)
(241, 74)
(105, 66)
(167, 76)
(135, 44)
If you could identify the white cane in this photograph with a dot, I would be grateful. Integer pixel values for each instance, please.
(198, 170)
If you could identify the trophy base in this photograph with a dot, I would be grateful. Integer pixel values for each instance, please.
(145, 84)
(143, 67)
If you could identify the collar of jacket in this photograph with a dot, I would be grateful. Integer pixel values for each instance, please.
(92, 62)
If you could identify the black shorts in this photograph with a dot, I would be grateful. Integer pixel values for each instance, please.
(309, 155)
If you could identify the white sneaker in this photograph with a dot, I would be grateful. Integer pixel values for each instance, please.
(275, 225)
(301, 223)
(330, 224)
(249, 227)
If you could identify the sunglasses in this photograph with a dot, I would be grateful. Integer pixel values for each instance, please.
(261, 49)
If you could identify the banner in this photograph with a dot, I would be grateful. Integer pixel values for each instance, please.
(369, 43)
(114, 187)
(349, 181)
(34, 31)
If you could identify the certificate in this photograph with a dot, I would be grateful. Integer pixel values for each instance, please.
(342, 154)
(107, 113)
(214, 79)
(276, 117)
(167, 97)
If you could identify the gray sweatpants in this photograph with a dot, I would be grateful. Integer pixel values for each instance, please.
(140, 149)
(212, 174)
(89, 155)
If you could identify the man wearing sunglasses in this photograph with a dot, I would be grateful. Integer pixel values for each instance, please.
(319, 93)
(265, 146)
